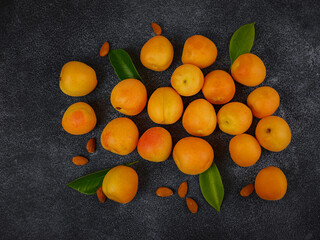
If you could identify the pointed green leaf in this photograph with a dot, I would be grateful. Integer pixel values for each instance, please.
(211, 186)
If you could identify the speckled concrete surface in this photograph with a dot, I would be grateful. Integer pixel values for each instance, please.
(37, 38)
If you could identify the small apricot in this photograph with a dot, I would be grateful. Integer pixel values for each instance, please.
(165, 106)
(120, 184)
(77, 79)
(218, 87)
(155, 144)
(129, 97)
(120, 136)
(199, 118)
(79, 119)
(263, 101)
(248, 69)
(200, 51)
(271, 183)
(157, 53)
(273, 133)
(187, 80)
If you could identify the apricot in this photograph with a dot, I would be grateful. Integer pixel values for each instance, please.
(187, 80)
(165, 106)
(129, 97)
(271, 183)
(120, 184)
(263, 101)
(157, 53)
(77, 79)
(218, 87)
(79, 119)
(248, 69)
(234, 118)
(120, 136)
(193, 155)
(200, 51)
(155, 144)
(273, 133)
(244, 150)
(199, 118)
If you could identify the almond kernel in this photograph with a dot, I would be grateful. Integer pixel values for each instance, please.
(247, 190)
(192, 205)
(164, 192)
(78, 160)
(101, 196)
(91, 145)
(183, 189)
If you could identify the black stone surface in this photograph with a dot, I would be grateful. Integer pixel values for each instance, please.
(38, 37)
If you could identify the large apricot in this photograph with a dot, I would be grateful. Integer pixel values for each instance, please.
(129, 97)
(120, 136)
(199, 118)
(165, 106)
(248, 69)
(157, 53)
(79, 118)
(273, 133)
(193, 155)
(77, 79)
(200, 51)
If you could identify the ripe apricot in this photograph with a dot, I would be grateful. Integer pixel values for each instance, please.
(120, 136)
(271, 183)
(187, 80)
(200, 51)
(263, 101)
(79, 118)
(129, 97)
(155, 144)
(165, 106)
(77, 79)
(120, 184)
(199, 118)
(157, 53)
(218, 87)
(234, 118)
(248, 69)
(244, 150)
(273, 133)
(193, 155)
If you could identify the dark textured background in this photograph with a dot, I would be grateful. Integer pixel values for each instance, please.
(37, 38)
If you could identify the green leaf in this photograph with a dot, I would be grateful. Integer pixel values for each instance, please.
(89, 184)
(241, 41)
(123, 65)
(211, 186)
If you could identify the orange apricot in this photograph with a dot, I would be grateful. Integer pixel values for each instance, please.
(244, 150)
(200, 51)
(218, 87)
(120, 136)
(155, 144)
(263, 101)
(193, 155)
(199, 118)
(248, 69)
(271, 183)
(234, 118)
(165, 106)
(273, 133)
(79, 119)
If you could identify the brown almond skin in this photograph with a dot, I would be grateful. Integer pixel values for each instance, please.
(192, 205)
(183, 189)
(100, 195)
(104, 50)
(156, 28)
(164, 192)
(78, 160)
(91, 145)
(247, 190)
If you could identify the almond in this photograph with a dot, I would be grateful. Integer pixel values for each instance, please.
(164, 192)
(78, 160)
(100, 195)
(91, 145)
(183, 189)
(156, 28)
(247, 190)
(192, 205)
(104, 50)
